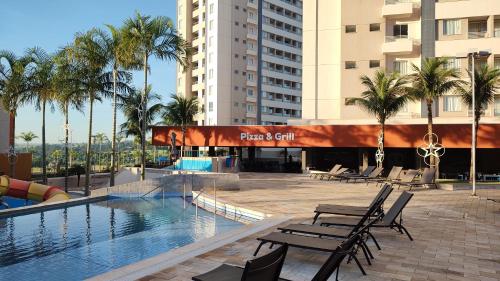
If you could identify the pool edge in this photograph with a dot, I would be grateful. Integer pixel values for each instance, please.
(168, 259)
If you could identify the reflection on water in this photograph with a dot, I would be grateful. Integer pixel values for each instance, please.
(83, 241)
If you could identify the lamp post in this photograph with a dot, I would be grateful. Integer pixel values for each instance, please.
(473, 55)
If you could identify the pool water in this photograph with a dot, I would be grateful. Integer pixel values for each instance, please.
(83, 241)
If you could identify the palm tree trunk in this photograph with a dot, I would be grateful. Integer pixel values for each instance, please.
(66, 148)
(89, 150)
(44, 149)
(429, 129)
(12, 142)
(144, 111)
(113, 134)
(183, 139)
(382, 137)
(472, 174)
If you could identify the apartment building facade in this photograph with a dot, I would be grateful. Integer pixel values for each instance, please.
(246, 67)
(346, 39)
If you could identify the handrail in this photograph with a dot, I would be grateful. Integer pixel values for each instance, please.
(149, 192)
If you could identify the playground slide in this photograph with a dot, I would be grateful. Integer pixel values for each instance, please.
(31, 191)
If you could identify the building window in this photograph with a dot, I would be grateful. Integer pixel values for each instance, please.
(236, 104)
(375, 27)
(250, 92)
(236, 71)
(250, 76)
(400, 67)
(210, 106)
(210, 24)
(236, 39)
(236, 88)
(237, 7)
(350, 64)
(496, 108)
(400, 31)
(210, 74)
(250, 108)
(350, 28)
(211, 8)
(374, 63)
(236, 23)
(244, 121)
(236, 120)
(452, 63)
(452, 104)
(452, 27)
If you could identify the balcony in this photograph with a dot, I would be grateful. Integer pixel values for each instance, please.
(399, 8)
(400, 45)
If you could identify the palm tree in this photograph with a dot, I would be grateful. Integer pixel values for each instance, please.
(129, 105)
(89, 53)
(14, 84)
(181, 112)
(384, 97)
(145, 37)
(487, 83)
(42, 92)
(118, 58)
(100, 139)
(430, 82)
(68, 94)
(27, 137)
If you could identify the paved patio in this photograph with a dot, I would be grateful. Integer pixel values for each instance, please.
(457, 237)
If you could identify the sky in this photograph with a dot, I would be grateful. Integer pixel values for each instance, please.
(51, 24)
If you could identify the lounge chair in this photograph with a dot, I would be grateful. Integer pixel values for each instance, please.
(364, 173)
(233, 273)
(405, 177)
(388, 221)
(325, 244)
(356, 211)
(267, 267)
(373, 175)
(427, 179)
(338, 173)
(316, 173)
(393, 175)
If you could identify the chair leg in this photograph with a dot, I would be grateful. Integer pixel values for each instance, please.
(271, 246)
(337, 274)
(258, 248)
(368, 250)
(365, 253)
(359, 264)
(374, 240)
(406, 231)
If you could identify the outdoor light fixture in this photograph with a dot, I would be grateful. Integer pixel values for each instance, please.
(474, 55)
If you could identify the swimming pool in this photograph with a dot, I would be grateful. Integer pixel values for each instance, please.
(79, 242)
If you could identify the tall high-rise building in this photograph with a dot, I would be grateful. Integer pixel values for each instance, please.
(346, 39)
(246, 67)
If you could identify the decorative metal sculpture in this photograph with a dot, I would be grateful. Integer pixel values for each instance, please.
(379, 155)
(431, 148)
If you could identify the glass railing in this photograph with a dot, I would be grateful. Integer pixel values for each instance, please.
(393, 38)
(477, 34)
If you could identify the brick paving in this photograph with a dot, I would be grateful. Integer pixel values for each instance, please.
(457, 237)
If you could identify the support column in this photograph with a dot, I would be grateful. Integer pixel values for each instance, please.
(304, 162)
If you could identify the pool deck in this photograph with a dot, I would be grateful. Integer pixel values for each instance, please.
(457, 237)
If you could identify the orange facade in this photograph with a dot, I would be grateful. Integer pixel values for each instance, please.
(396, 136)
